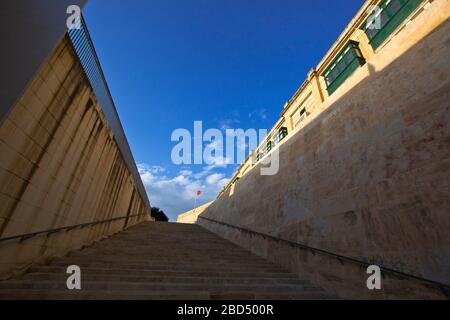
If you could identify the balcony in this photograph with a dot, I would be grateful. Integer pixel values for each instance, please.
(347, 62)
(281, 134)
(390, 15)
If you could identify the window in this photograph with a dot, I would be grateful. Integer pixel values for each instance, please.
(300, 116)
(268, 147)
(303, 110)
(347, 61)
(391, 14)
(282, 133)
(259, 156)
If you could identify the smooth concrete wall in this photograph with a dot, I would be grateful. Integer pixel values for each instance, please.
(367, 178)
(29, 31)
(60, 166)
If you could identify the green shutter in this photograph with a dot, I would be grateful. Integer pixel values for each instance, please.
(269, 146)
(394, 12)
(346, 62)
(282, 133)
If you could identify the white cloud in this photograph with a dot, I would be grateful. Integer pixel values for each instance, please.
(214, 178)
(229, 123)
(218, 162)
(186, 172)
(175, 195)
(259, 113)
(152, 169)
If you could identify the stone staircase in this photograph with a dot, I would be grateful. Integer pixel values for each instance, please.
(163, 261)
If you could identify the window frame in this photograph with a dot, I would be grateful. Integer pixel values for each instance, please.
(268, 147)
(344, 71)
(281, 134)
(407, 7)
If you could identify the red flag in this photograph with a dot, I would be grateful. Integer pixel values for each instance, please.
(199, 193)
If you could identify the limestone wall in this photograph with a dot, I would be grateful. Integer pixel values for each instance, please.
(60, 166)
(190, 217)
(368, 177)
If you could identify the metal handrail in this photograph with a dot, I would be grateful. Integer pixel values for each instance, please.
(84, 48)
(443, 287)
(27, 236)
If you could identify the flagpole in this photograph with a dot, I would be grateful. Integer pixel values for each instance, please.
(197, 194)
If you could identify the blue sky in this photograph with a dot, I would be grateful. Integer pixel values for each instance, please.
(227, 63)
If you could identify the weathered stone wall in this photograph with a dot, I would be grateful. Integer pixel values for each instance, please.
(60, 166)
(368, 177)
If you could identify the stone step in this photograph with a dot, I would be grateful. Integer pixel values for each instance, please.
(163, 273)
(164, 253)
(307, 295)
(168, 234)
(93, 276)
(101, 295)
(172, 236)
(151, 260)
(157, 295)
(173, 246)
(163, 261)
(173, 267)
(140, 286)
(170, 253)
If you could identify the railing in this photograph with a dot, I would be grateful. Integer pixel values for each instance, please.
(85, 50)
(443, 287)
(27, 236)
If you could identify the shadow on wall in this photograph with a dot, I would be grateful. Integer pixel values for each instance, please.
(368, 178)
(60, 167)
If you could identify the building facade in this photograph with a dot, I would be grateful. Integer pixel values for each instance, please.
(363, 162)
(191, 216)
(374, 26)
